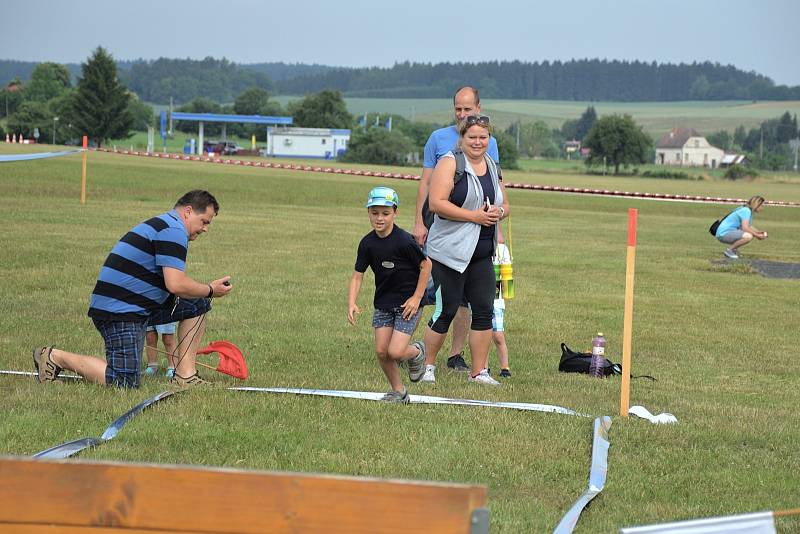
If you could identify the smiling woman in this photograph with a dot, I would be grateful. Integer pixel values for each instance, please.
(462, 240)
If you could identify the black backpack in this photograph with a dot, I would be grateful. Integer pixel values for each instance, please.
(578, 362)
(713, 228)
(461, 166)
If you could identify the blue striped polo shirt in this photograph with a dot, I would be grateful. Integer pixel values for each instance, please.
(130, 285)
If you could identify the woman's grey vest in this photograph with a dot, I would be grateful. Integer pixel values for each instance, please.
(452, 243)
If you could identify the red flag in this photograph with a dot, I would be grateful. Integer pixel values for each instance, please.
(231, 359)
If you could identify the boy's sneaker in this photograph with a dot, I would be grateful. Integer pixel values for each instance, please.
(505, 373)
(188, 382)
(730, 253)
(416, 365)
(399, 397)
(483, 378)
(457, 363)
(170, 372)
(151, 370)
(46, 369)
(430, 374)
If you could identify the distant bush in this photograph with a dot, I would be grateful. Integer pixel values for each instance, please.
(2, 133)
(378, 145)
(737, 172)
(663, 173)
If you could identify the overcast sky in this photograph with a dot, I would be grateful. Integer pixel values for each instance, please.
(758, 35)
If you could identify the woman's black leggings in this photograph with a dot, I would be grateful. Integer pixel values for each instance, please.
(476, 285)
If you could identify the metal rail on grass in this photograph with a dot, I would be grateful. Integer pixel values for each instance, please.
(70, 448)
(597, 475)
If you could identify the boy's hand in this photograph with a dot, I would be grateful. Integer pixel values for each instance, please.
(352, 311)
(410, 307)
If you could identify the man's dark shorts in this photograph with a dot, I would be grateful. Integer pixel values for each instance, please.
(125, 339)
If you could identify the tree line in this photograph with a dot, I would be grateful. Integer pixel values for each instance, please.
(101, 106)
(584, 80)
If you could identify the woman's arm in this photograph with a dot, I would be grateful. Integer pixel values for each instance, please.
(439, 197)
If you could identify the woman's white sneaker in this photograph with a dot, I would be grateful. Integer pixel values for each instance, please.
(430, 374)
(483, 378)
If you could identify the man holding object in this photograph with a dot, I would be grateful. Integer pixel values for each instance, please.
(143, 282)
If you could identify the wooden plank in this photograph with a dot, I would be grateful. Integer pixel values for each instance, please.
(195, 499)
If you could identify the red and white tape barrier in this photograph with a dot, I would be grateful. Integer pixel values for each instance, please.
(401, 176)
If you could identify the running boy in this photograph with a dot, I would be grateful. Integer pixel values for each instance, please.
(401, 274)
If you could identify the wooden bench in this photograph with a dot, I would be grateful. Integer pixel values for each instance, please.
(69, 496)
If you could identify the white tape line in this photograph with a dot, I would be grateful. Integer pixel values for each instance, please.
(39, 155)
(29, 373)
(597, 475)
(417, 399)
(644, 413)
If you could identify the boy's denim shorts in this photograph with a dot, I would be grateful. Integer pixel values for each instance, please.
(394, 318)
(124, 340)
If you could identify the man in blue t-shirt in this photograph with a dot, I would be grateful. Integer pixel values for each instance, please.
(466, 102)
(143, 282)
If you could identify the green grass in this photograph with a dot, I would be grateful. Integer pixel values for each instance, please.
(720, 341)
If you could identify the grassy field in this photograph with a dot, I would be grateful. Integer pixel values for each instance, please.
(720, 340)
(656, 117)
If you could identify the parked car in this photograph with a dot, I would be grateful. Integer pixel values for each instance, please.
(221, 147)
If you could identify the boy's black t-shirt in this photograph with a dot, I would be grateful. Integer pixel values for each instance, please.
(395, 261)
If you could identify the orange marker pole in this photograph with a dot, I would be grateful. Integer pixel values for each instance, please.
(627, 330)
(83, 171)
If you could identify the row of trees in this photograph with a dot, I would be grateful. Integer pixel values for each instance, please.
(100, 106)
(586, 79)
(186, 79)
(221, 80)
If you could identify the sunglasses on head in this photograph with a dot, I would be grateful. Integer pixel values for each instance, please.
(482, 120)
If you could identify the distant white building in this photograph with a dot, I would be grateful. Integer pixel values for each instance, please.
(325, 143)
(687, 148)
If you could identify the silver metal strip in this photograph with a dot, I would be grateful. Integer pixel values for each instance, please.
(71, 448)
(597, 475)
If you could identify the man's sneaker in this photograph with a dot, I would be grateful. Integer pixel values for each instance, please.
(505, 373)
(170, 372)
(400, 397)
(46, 369)
(457, 362)
(416, 365)
(483, 378)
(188, 382)
(730, 253)
(151, 370)
(430, 374)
